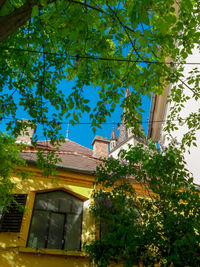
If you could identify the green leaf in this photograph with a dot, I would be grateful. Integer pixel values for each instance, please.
(35, 11)
(43, 2)
(94, 130)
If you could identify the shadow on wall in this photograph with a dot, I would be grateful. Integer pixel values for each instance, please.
(15, 258)
(12, 255)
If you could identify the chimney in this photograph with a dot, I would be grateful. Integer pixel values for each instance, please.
(26, 134)
(100, 146)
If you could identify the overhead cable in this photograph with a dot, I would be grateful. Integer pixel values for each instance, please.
(99, 58)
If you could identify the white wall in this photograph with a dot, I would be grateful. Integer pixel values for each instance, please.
(125, 146)
(192, 158)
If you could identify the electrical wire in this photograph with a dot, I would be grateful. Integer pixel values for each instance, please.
(99, 58)
(104, 123)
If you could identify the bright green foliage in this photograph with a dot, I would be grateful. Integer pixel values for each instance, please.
(108, 46)
(10, 164)
(159, 226)
(102, 44)
(46, 161)
(181, 94)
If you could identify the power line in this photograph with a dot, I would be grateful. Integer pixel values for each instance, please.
(103, 123)
(99, 58)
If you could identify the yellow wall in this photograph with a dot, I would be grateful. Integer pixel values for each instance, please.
(13, 251)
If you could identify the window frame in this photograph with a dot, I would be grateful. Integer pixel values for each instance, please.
(65, 214)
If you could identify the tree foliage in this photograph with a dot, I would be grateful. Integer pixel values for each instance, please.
(158, 225)
(10, 162)
(107, 45)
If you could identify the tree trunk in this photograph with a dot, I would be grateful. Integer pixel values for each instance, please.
(11, 22)
(2, 2)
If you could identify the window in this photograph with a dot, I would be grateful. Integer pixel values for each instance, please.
(11, 219)
(56, 221)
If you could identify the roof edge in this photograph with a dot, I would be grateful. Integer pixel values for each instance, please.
(76, 170)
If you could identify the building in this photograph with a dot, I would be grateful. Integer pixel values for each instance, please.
(125, 137)
(160, 110)
(56, 222)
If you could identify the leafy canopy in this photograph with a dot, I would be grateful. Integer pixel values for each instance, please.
(107, 45)
(111, 45)
(157, 224)
(10, 163)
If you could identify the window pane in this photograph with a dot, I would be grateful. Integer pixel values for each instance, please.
(47, 201)
(56, 227)
(73, 232)
(77, 206)
(41, 202)
(38, 229)
(53, 204)
(65, 205)
(56, 221)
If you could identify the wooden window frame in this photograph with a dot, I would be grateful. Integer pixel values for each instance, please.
(49, 220)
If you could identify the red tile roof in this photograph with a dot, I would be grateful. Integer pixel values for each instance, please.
(68, 146)
(73, 155)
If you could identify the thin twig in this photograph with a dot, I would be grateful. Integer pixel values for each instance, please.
(97, 58)
(186, 85)
(87, 5)
(125, 29)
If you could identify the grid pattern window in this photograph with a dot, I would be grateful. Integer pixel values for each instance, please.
(56, 221)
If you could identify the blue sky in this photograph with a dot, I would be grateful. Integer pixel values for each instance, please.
(82, 133)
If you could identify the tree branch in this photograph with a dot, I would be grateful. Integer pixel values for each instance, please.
(10, 23)
(2, 2)
(125, 29)
(87, 5)
(192, 90)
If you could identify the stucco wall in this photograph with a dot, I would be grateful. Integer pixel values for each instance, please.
(192, 155)
(13, 250)
(124, 146)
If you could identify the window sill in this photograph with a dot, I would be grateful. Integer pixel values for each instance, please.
(53, 252)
